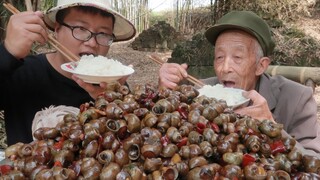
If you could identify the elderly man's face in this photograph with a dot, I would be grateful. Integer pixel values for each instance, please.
(235, 60)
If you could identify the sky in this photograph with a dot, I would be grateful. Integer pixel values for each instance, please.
(159, 5)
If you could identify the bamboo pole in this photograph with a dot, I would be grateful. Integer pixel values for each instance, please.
(298, 74)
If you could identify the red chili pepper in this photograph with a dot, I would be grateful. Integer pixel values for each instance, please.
(200, 127)
(182, 142)
(215, 127)
(5, 169)
(165, 140)
(251, 132)
(247, 159)
(277, 147)
(57, 164)
(183, 111)
(58, 145)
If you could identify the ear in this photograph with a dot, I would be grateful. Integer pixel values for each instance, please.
(57, 26)
(262, 65)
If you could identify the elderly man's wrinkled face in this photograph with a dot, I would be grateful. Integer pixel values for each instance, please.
(235, 60)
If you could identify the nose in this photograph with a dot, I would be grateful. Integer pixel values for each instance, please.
(226, 67)
(92, 42)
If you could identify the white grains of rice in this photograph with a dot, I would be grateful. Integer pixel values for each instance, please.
(101, 66)
(230, 95)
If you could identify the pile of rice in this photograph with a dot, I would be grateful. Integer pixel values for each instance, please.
(232, 96)
(101, 66)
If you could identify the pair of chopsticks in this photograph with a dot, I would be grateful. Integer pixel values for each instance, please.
(52, 41)
(192, 79)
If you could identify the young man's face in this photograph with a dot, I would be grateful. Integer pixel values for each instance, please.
(93, 22)
(235, 60)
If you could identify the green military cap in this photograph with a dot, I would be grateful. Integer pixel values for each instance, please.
(246, 21)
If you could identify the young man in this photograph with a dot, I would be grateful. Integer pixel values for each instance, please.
(242, 43)
(32, 83)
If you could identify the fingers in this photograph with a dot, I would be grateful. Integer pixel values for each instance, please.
(170, 74)
(259, 108)
(37, 33)
(93, 90)
(255, 97)
(123, 80)
(23, 30)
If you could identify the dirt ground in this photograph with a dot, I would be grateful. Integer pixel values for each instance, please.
(146, 71)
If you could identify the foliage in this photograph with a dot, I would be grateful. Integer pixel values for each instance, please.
(155, 17)
(294, 48)
(3, 136)
(285, 10)
(5, 14)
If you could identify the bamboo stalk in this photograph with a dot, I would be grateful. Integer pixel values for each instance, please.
(189, 78)
(29, 5)
(62, 49)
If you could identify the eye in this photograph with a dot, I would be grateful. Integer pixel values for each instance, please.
(82, 28)
(218, 58)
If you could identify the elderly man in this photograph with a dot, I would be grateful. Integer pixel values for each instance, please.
(242, 43)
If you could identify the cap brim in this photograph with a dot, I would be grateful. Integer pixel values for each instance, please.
(123, 28)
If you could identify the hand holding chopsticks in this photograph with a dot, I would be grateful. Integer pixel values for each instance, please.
(62, 49)
(192, 79)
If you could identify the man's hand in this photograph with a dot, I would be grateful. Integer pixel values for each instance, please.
(23, 30)
(170, 74)
(95, 91)
(259, 108)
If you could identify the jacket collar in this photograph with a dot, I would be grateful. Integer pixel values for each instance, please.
(267, 90)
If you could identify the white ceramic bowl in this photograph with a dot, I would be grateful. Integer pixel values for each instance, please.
(232, 96)
(69, 67)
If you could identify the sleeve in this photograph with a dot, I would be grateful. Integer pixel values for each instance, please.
(1, 92)
(306, 128)
(303, 150)
(8, 62)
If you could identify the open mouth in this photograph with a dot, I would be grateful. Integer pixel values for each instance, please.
(81, 54)
(228, 83)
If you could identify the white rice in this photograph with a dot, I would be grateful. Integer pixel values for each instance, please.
(231, 95)
(101, 66)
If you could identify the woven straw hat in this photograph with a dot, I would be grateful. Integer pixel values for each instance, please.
(123, 28)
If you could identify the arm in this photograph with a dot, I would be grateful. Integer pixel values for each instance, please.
(22, 31)
(170, 74)
(8, 62)
(305, 125)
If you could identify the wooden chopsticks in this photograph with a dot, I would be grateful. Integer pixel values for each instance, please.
(192, 79)
(62, 49)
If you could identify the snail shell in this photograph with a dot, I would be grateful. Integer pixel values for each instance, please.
(152, 164)
(197, 162)
(106, 157)
(110, 171)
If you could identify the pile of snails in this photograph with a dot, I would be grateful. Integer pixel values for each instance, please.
(153, 133)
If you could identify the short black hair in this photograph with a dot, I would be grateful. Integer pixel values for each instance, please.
(61, 14)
